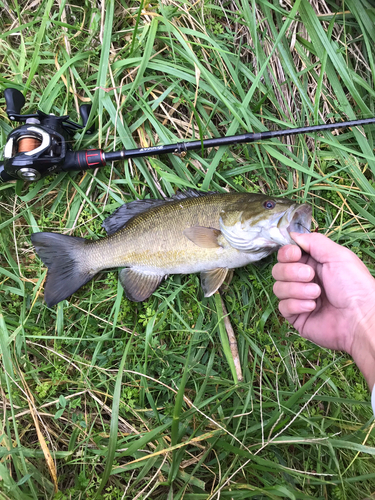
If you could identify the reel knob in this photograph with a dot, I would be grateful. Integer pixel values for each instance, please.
(15, 101)
(84, 111)
(28, 174)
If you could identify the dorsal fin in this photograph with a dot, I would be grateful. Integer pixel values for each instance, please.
(123, 214)
(189, 193)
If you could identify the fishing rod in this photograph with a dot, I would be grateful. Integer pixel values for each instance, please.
(42, 145)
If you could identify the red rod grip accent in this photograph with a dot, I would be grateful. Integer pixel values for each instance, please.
(83, 160)
(94, 158)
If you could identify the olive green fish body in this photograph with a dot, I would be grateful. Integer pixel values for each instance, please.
(155, 240)
(192, 232)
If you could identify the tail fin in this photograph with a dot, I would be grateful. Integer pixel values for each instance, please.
(66, 259)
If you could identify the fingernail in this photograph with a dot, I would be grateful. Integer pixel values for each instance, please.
(312, 290)
(304, 272)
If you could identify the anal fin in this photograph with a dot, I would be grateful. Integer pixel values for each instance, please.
(212, 280)
(139, 286)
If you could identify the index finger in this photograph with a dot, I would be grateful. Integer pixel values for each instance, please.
(289, 253)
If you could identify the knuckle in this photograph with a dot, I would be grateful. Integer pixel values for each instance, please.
(275, 271)
(283, 308)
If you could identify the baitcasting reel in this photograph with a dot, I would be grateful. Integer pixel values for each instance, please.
(41, 146)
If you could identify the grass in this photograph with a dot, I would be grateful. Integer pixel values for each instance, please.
(104, 398)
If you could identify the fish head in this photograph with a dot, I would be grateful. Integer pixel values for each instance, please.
(264, 225)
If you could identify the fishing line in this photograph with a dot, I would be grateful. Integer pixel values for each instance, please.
(299, 224)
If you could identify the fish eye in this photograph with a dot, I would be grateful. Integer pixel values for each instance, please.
(269, 204)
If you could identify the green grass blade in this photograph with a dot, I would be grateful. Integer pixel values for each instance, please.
(112, 443)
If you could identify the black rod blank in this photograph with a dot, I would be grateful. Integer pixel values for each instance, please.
(181, 147)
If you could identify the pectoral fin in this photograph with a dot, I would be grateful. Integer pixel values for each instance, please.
(205, 237)
(212, 280)
(227, 281)
(139, 286)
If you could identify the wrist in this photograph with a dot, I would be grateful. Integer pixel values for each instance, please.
(363, 347)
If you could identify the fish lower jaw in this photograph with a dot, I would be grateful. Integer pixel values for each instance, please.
(275, 237)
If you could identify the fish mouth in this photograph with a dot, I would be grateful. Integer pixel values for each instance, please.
(271, 232)
(300, 221)
(297, 219)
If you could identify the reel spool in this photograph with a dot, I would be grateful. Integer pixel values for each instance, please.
(27, 143)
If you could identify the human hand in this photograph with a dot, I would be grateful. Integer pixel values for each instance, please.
(328, 295)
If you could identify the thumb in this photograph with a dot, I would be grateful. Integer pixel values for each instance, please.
(321, 248)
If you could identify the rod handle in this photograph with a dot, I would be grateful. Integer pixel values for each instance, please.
(83, 160)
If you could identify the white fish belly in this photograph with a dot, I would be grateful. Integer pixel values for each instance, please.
(230, 259)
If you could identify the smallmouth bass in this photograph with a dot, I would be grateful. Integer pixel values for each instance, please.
(210, 233)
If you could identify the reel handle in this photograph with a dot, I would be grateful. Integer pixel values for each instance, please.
(15, 101)
(4, 176)
(84, 111)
